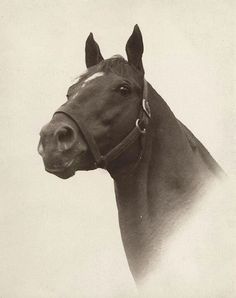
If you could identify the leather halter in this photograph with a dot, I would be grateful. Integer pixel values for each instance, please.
(139, 129)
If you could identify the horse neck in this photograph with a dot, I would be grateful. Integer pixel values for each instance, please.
(150, 195)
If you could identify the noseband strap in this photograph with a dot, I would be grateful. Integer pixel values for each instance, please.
(70, 112)
(139, 129)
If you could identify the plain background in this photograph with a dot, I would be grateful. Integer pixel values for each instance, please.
(61, 238)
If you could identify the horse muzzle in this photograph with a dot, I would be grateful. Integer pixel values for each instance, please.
(62, 149)
(55, 162)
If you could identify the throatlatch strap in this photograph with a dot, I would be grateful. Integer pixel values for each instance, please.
(122, 146)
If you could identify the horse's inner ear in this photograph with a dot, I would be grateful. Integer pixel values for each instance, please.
(134, 48)
(92, 52)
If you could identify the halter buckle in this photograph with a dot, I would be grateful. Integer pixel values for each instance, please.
(146, 107)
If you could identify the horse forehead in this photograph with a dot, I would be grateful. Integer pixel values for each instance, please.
(75, 89)
(93, 77)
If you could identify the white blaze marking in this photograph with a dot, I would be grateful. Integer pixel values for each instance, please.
(94, 76)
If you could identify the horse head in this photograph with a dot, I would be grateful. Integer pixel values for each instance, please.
(90, 130)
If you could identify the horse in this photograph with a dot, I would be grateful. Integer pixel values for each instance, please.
(114, 119)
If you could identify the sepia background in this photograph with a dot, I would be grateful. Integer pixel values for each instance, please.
(60, 238)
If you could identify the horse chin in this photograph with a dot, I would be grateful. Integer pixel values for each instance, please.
(68, 172)
(63, 174)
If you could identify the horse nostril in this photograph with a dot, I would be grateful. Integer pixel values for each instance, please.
(65, 137)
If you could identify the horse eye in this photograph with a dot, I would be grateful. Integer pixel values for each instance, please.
(124, 90)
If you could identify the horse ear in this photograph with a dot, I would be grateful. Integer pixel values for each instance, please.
(92, 52)
(134, 48)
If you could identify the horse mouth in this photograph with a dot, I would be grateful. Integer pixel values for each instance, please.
(64, 172)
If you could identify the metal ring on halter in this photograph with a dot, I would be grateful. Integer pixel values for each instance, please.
(142, 130)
